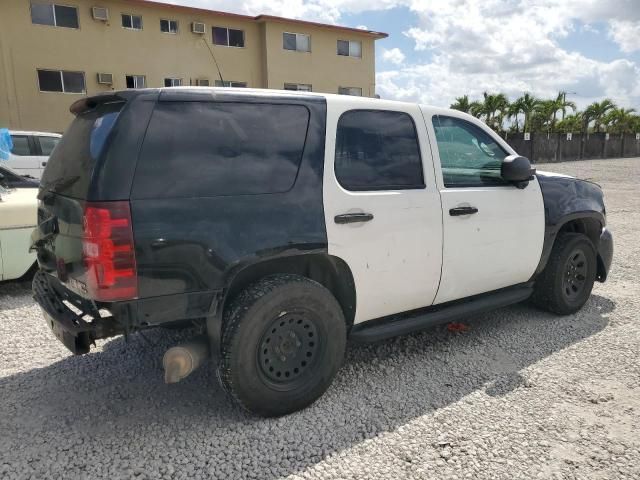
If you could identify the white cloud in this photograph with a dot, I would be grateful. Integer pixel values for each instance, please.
(626, 34)
(393, 55)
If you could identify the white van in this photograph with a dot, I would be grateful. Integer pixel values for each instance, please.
(31, 151)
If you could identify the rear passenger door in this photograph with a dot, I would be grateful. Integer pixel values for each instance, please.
(45, 145)
(24, 159)
(382, 207)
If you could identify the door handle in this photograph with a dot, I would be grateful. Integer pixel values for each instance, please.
(458, 211)
(353, 218)
(44, 164)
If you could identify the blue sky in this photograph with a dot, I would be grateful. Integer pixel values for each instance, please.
(440, 49)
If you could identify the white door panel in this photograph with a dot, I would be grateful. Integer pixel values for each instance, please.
(501, 244)
(395, 258)
(495, 248)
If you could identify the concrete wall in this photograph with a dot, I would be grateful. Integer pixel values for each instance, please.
(108, 48)
(555, 147)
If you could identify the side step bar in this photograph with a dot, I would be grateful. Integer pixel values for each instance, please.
(395, 325)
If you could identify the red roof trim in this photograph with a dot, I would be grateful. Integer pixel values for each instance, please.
(263, 18)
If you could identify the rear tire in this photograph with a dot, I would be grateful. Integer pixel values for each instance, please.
(283, 341)
(565, 284)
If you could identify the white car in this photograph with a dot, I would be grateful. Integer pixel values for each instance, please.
(31, 151)
(18, 216)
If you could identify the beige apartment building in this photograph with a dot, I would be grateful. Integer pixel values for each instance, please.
(53, 52)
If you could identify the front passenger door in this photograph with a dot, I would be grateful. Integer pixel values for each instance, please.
(493, 231)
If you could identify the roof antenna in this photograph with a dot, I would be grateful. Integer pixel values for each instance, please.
(214, 59)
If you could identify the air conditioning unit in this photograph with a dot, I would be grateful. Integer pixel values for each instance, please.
(100, 13)
(198, 27)
(105, 78)
(202, 82)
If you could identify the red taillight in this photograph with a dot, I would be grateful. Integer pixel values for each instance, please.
(108, 251)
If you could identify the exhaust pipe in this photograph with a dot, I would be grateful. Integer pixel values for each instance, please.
(182, 360)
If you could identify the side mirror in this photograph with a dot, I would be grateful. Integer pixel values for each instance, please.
(517, 170)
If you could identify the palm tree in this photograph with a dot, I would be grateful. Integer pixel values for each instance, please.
(570, 124)
(563, 104)
(515, 108)
(494, 107)
(527, 105)
(544, 113)
(476, 109)
(597, 111)
(462, 104)
(620, 120)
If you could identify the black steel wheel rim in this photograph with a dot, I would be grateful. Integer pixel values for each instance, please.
(289, 349)
(574, 277)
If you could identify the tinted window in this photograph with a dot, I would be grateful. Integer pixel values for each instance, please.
(42, 14)
(47, 144)
(236, 38)
(220, 36)
(20, 145)
(50, 81)
(377, 150)
(70, 165)
(209, 149)
(469, 156)
(73, 82)
(343, 48)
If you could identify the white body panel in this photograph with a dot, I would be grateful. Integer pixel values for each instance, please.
(32, 165)
(395, 258)
(18, 217)
(497, 247)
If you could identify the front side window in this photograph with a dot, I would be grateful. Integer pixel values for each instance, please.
(136, 81)
(355, 91)
(296, 41)
(20, 145)
(172, 82)
(377, 150)
(228, 37)
(61, 81)
(169, 26)
(47, 144)
(298, 87)
(349, 48)
(230, 83)
(132, 22)
(469, 156)
(225, 148)
(54, 15)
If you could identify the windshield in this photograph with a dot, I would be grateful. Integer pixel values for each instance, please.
(70, 167)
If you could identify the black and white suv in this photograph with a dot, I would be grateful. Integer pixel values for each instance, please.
(282, 224)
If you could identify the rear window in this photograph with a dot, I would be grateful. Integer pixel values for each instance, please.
(71, 163)
(208, 149)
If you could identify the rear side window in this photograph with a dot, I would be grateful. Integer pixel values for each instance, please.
(47, 144)
(20, 145)
(208, 149)
(377, 150)
(70, 166)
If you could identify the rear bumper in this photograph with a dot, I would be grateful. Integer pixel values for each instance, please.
(605, 255)
(77, 331)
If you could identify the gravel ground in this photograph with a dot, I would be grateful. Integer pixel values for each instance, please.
(522, 394)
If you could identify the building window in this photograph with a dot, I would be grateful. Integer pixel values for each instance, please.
(132, 22)
(377, 150)
(55, 15)
(172, 82)
(298, 87)
(228, 37)
(202, 82)
(299, 42)
(355, 91)
(230, 83)
(349, 48)
(169, 26)
(61, 81)
(136, 81)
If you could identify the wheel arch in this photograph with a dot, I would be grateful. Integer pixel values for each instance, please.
(330, 271)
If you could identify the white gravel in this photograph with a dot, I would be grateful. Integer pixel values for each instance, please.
(522, 394)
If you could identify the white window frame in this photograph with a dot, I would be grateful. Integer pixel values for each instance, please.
(349, 53)
(53, 10)
(350, 88)
(84, 81)
(131, 15)
(173, 80)
(168, 20)
(198, 80)
(244, 37)
(297, 35)
(231, 83)
(135, 80)
(298, 85)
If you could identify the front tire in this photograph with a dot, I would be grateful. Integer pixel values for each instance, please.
(565, 284)
(283, 341)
